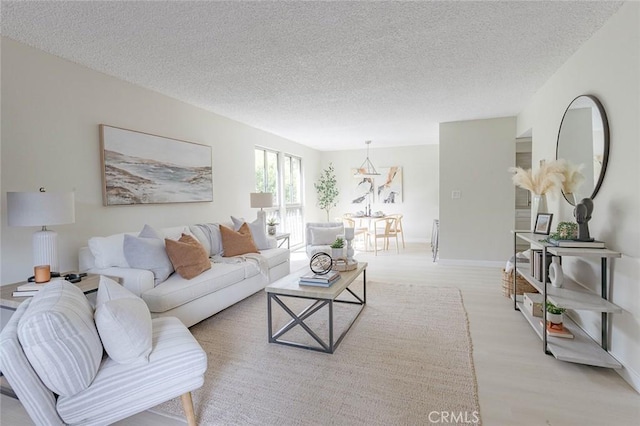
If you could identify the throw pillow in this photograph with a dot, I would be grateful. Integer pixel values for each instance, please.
(108, 251)
(147, 251)
(60, 339)
(325, 236)
(124, 323)
(188, 256)
(258, 232)
(237, 243)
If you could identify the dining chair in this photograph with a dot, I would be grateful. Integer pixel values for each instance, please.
(382, 229)
(398, 228)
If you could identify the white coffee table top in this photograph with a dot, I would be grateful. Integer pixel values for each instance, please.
(289, 285)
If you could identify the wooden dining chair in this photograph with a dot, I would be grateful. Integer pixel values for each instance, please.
(382, 229)
(398, 228)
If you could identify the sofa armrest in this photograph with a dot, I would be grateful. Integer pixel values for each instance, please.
(138, 281)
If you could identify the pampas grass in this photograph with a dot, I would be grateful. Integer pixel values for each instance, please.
(573, 177)
(548, 179)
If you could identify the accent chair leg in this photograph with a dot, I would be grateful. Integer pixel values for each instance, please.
(187, 406)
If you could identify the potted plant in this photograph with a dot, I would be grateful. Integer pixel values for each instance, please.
(271, 226)
(554, 313)
(337, 248)
(327, 190)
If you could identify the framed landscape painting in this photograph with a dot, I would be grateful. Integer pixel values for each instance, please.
(140, 168)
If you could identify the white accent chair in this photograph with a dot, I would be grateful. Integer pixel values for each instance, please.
(320, 236)
(174, 366)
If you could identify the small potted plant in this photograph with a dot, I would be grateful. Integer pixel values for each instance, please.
(337, 248)
(554, 314)
(271, 226)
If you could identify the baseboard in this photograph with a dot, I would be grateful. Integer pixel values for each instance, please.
(630, 376)
(462, 262)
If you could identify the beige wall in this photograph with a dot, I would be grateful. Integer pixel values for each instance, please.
(474, 158)
(51, 109)
(607, 66)
(420, 184)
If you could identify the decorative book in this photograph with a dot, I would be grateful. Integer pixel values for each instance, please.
(576, 243)
(557, 330)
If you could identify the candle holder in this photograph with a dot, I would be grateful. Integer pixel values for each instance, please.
(349, 234)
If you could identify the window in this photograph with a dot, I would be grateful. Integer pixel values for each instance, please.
(285, 180)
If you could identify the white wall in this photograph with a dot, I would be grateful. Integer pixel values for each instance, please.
(607, 66)
(51, 109)
(474, 158)
(420, 184)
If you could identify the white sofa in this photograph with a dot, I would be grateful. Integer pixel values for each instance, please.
(227, 282)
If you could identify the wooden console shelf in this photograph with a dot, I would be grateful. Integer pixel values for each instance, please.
(582, 348)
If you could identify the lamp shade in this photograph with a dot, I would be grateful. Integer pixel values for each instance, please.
(40, 208)
(261, 200)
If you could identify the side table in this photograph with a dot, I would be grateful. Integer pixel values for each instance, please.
(89, 284)
(281, 238)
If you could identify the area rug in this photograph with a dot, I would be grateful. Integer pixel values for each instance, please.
(407, 360)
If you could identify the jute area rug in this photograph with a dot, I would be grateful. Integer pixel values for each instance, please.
(407, 360)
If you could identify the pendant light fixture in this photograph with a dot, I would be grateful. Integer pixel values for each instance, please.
(366, 169)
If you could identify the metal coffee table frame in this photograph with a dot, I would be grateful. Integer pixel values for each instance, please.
(299, 319)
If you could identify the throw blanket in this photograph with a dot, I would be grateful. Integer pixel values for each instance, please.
(258, 259)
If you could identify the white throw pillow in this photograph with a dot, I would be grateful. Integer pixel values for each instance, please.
(59, 338)
(258, 232)
(124, 323)
(147, 251)
(108, 251)
(325, 236)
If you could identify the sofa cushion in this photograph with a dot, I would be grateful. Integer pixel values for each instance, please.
(209, 236)
(177, 364)
(124, 323)
(324, 236)
(60, 339)
(147, 251)
(276, 256)
(176, 291)
(188, 256)
(108, 251)
(258, 232)
(237, 243)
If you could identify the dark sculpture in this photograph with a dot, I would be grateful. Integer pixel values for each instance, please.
(582, 213)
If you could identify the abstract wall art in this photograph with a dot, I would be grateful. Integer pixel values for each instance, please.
(389, 185)
(362, 189)
(141, 168)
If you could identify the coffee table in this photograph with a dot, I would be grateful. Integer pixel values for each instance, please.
(318, 297)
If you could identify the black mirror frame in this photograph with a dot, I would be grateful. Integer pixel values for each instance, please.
(605, 151)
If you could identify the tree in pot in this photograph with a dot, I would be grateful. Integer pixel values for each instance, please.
(327, 190)
(337, 248)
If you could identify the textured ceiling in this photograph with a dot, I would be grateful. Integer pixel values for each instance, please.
(326, 74)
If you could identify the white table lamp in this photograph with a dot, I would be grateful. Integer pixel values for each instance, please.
(261, 200)
(41, 209)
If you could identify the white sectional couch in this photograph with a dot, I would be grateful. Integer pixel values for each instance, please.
(229, 280)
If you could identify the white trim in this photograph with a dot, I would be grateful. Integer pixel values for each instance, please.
(462, 262)
(630, 376)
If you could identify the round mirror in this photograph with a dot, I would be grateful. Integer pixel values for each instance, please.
(583, 140)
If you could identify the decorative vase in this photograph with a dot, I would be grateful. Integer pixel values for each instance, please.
(349, 234)
(538, 205)
(554, 319)
(336, 253)
(555, 272)
(271, 229)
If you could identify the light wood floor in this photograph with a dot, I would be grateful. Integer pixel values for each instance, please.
(517, 383)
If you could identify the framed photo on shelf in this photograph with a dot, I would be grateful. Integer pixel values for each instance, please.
(543, 223)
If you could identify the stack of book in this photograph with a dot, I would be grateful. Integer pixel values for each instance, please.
(576, 243)
(558, 330)
(28, 289)
(324, 280)
(536, 264)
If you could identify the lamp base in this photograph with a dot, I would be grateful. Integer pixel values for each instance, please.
(45, 249)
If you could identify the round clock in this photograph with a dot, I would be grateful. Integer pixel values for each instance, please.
(321, 263)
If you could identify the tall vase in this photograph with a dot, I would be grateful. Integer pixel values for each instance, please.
(538, 205)
(556, 275)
